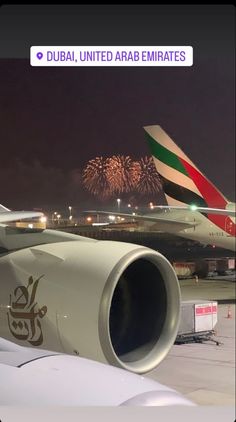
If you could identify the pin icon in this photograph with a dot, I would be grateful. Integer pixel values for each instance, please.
(39, 56)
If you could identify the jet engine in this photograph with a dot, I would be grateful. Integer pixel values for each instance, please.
(108, 301)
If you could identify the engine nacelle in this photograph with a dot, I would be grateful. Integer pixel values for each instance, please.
(103, 300)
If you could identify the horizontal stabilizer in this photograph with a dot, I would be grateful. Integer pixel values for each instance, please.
(163, 222)
(203, 210)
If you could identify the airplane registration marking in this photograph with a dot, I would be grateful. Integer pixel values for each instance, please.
(216, 234)
(23, 320)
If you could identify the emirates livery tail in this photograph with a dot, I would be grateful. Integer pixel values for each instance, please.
(183, 182)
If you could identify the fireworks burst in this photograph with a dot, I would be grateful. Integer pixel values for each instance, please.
(105, 177)
(149, 181)
(95, 177)
(122, 173)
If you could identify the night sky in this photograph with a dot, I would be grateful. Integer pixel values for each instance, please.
(53, 120)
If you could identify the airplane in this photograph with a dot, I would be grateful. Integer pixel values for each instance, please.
(55, 379)
(196, 209)
(108, 301)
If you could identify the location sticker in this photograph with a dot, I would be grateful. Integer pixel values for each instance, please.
(39, 55)
(111, 55)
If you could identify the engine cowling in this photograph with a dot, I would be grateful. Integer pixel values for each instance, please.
(103, 300)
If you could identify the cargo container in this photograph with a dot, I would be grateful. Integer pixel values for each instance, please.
(198, 319)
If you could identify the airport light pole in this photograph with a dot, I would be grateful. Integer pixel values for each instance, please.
(118, 204)
(54, 215)
(70, 213)
(70, 208)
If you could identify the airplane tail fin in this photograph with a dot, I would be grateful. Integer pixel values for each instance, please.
(183, 183)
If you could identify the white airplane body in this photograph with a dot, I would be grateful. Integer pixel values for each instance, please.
(182, 222)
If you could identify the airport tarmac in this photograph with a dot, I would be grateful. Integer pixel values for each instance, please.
(220, 288)
(205, 372)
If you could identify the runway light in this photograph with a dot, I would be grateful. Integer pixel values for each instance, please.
(43, 219)
(151, 205)
(100, 224)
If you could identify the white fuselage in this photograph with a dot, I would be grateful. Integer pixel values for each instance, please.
(205, 231)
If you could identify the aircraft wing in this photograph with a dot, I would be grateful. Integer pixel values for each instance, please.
(7, 215)
(54, 379)
(18, 215)
(163, 222)
(204, 210)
